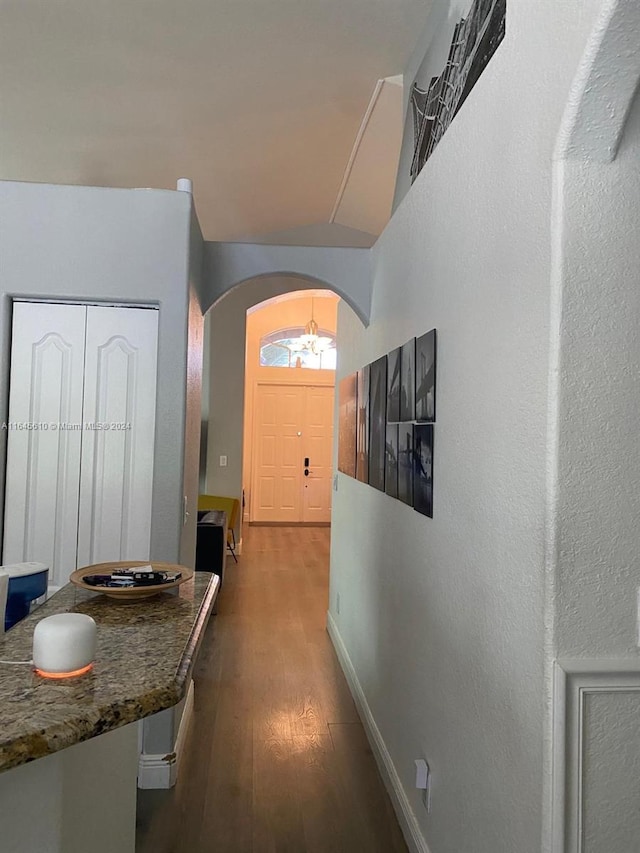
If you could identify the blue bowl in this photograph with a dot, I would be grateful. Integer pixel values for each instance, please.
(21, 592)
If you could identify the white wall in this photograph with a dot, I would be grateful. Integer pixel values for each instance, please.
(108, 245)
(444, 620)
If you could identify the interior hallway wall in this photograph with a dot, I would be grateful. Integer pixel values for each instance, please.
(443, 619)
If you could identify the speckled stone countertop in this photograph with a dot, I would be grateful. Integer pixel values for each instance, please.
(146, 651)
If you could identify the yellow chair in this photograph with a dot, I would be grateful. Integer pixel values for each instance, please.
(231, 506)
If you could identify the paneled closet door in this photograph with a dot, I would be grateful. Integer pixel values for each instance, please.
(116, 470)
(44, 436)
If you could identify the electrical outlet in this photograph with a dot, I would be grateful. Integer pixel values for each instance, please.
(338, 603)
(223, 461)
(423, 781)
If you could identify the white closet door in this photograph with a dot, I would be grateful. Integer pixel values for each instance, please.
(116, 471)
(44, 436)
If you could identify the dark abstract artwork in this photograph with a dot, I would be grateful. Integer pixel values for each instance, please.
(391, 461)
(407, 381)
(377, 421)
(475, 40)
(426, 377)
(405, 463)
(423, 469)
(347, 411)
(362, 426)
(393, 386)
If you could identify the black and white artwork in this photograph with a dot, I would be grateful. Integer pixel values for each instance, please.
(423, 469)
(377, 421)
(393, 386)
(405, 463)
(362, 426)
(426, 377)
(407, 381)
(475, 40)
(391, 461)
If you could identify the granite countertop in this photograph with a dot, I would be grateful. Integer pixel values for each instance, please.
(145, 654)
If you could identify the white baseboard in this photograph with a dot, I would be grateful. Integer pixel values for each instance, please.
(407, 819)
(161, 771)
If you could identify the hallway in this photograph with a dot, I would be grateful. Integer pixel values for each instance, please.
(277, 759)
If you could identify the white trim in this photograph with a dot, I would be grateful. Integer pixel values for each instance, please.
(574, 681)
(408, 823)
(161, 771)
(356, 147)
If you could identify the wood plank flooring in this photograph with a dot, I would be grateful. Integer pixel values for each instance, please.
(277, 760)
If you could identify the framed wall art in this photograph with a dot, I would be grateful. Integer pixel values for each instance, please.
(377, 421)
(426, 377)
(423, 469)
(407, 381)
(393, 386)
(405, 463)
(362, 425)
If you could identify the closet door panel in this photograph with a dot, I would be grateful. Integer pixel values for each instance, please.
(44, 436)
(116, 471)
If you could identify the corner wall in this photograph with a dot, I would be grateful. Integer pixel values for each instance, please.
(108, 245)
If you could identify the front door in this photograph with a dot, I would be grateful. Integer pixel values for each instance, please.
(293, 439)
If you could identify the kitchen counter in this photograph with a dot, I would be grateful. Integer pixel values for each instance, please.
(145, 654)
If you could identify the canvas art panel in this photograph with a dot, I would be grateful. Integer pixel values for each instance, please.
(423, 469)
(362, 426)
(393, 386)
(405, 463)
(426, 377)
(435, 104)
(408, 381)
(377, 421)
(391, 461)
(347, 412)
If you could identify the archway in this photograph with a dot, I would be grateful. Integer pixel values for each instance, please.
(224, 376)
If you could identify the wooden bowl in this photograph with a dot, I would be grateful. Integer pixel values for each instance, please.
(129, 593)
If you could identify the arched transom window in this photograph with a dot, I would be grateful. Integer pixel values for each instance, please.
(299, 346)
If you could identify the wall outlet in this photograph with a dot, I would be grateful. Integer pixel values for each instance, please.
(223, 461)
(338, 603)
(423, 781)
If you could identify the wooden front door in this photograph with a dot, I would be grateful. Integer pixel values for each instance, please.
(293, 424)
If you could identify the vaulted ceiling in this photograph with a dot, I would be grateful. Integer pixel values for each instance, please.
(257, 101)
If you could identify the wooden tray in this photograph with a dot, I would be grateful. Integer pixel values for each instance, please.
(129, 593)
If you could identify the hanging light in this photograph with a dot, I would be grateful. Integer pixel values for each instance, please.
(310, 338)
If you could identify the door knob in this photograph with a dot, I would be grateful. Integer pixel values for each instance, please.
(306, 472)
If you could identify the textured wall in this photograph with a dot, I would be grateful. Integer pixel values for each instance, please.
(599, 454)
(443, 619)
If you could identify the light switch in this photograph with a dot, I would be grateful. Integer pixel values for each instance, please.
(223, 461)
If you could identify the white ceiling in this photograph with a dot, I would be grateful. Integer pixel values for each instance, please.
(257, 101)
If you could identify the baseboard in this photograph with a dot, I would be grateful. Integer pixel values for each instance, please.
(407, 819)
(161, 771)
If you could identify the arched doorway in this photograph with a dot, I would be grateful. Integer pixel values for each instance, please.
(225, 404)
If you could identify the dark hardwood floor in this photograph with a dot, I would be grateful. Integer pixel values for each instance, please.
(277, 760)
